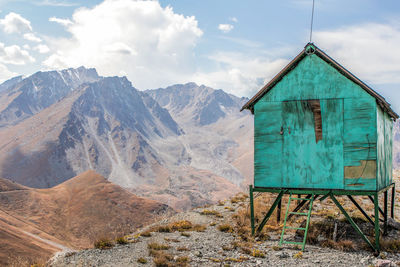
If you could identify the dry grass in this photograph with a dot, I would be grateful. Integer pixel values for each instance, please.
(343, 245)
(181, 225)
(158, 246)
(211, 212)
(392, 245)
(162, 259)
(225, 228)
(199, 228)
(185, 234)
(240, 197)
(298, 255)
(258, 253)
(182, 249)
(142, 260)
(103, 243)
(121, 240)
(146, 233)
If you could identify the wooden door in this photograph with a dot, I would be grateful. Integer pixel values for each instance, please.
(312, 144)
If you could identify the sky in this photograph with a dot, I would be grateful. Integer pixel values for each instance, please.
(233, 45)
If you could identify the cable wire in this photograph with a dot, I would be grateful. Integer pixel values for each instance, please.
(312, 20)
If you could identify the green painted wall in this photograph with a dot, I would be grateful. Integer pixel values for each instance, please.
(384, 149)
(345, 157)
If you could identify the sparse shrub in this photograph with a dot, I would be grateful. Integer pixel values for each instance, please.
(183, 259)
(215, 260)
(164, 229)
(246, 250)
(157, 246)
(199, 228)
(344, 245)
(185, 234)
(298, 255)
(213, 224)
(146, 233)
(258, 253)
(239, 198)
(221, 203)
(69, 254)
(240, 259)
(225, 228)
(210, 212)
(181, 225)
(276, 248)
(103, 243)
(182, 249)
(390, 245)
(162, 259)
(142, 260)
(121, 240)
(171, 240)
(227, 248)
(263, 236)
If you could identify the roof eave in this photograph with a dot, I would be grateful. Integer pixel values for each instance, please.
(381, 100)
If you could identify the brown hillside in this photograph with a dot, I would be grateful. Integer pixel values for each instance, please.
(38, 222)
(7, 185)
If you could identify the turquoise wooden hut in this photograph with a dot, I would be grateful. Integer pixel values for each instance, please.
(321, 131)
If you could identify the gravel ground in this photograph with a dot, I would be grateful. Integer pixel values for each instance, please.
(214, 248)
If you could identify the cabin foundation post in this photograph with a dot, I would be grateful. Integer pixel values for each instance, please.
(392, 201)
(251, 209)
(385, 213)
(377, 230)
(278, 213)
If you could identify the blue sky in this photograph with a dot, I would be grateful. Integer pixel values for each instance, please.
(234, 45)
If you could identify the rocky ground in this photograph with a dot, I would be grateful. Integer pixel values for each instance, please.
(207, 237)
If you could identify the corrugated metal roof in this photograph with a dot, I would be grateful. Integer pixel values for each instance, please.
(379, 99)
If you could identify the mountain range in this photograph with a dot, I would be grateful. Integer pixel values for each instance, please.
(184, 145)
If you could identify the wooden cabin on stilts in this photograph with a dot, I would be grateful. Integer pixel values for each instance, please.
(320, 132)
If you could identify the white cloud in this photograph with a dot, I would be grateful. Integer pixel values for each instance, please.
(15, 23)
(225, 28)
(240, 74)
(5, 74)
(234, 19)
(370, 51)
(14, 55)
(64, 22)
(152, 44)
(56, 3)
(32, 37)
(42, 49)
(26, 47)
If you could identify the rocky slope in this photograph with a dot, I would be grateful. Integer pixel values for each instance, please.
(217, 135)
(219, 236)
(35, 223)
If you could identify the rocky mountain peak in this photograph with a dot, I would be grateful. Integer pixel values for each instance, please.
(193, 103)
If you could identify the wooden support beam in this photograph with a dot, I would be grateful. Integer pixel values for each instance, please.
(278, 213)
(385, 213)
(361, 209)
(271, 210)
(355, 226)
(251, 209)
(379, 208)
(392, 202)
(377, 230)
